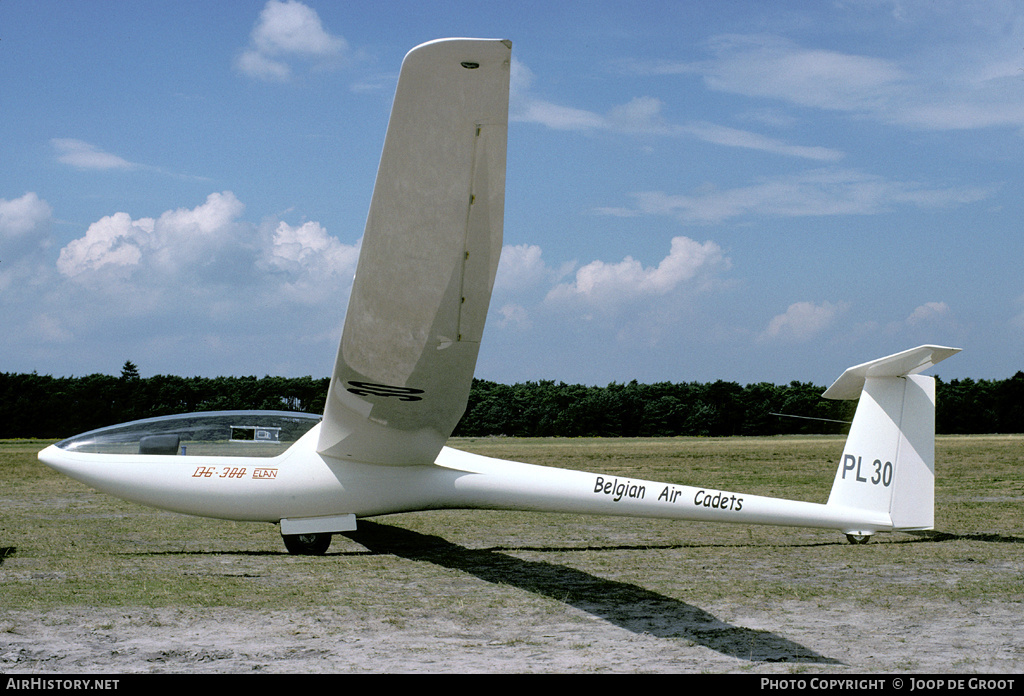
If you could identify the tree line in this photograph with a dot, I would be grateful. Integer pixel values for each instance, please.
(33, 405)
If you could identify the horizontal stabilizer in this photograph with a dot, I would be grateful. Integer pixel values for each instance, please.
(909, 362)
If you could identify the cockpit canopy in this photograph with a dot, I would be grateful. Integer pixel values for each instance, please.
(214, 433)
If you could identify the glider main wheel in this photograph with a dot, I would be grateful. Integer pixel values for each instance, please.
(307, 544)
(858, 538)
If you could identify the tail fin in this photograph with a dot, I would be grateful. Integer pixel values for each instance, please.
(888, 464)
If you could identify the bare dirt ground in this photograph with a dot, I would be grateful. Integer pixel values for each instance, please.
(719, 639)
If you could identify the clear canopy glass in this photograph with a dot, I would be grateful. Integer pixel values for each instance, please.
(214, 433)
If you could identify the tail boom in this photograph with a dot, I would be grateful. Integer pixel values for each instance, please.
(488, 483)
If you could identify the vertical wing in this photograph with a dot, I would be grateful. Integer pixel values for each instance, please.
(428, 259)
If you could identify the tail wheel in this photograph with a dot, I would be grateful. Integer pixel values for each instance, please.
(307, 544)
(858, 538)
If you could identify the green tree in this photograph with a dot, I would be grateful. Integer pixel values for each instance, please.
(129, 372)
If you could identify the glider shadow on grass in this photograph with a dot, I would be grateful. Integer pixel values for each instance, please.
(628, 606)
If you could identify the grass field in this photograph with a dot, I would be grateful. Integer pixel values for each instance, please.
(89, 582)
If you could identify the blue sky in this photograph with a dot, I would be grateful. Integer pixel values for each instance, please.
(744, 191)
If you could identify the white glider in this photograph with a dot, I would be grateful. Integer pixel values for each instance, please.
(405, 364)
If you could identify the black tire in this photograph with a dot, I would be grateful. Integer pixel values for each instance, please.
(858, 539)
(307, 544)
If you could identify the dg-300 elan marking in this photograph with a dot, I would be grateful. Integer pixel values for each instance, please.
(408, 350)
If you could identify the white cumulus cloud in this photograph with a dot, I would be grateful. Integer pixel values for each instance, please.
(24, 238)
(513, 315)
(610, 284)
(208, 252)
(308, 259)
(195, 281)
(927, 313)
(286, 32)
(114, 240)
(23, 217)
(801, 322)
(521, 266)
(178, 239)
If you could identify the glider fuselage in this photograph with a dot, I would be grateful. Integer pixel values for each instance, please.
(303, 484)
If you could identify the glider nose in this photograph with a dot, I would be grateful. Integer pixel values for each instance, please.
(51, 458)
(61, 461)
